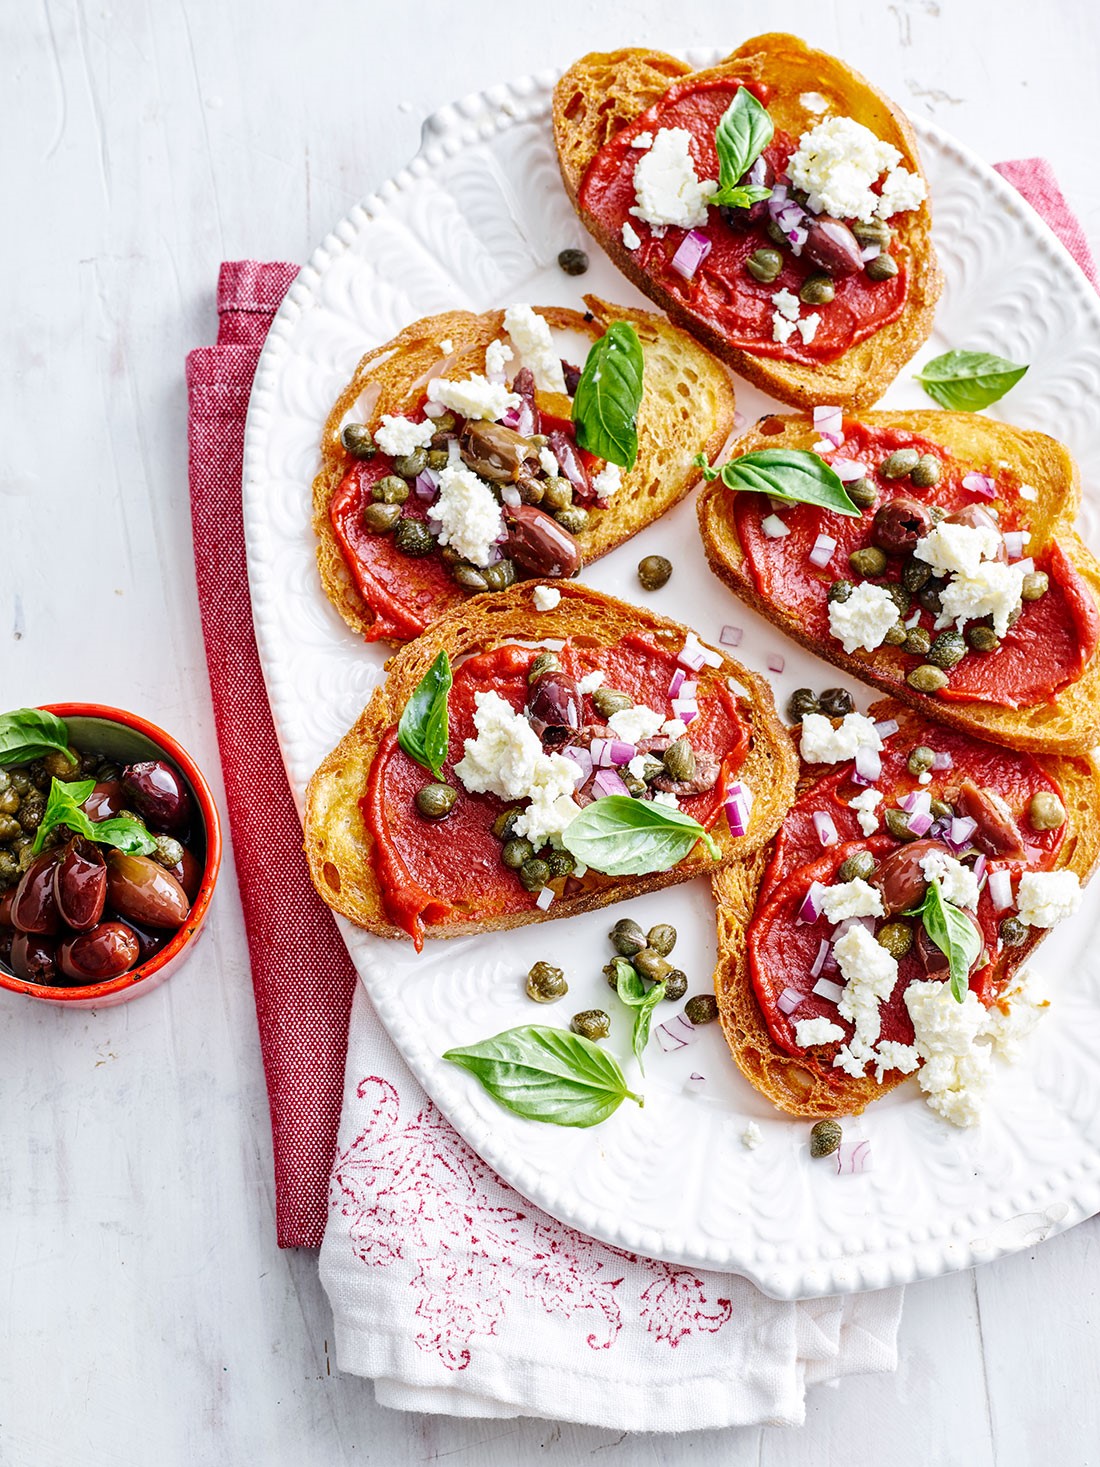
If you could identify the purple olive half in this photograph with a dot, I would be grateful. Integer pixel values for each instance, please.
(158, 794)
(34, 906)
(80, 884)
(104, 952)
(33, 958)
(143, 892)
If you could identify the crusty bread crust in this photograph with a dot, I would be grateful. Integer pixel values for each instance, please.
(603, 91)
(788, 1083)
(687, 408)
(1070, 724)
(337, 843)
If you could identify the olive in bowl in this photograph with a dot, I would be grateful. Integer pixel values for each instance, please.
(109, 852)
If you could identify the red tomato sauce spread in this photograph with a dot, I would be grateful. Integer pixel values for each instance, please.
(1045, 650)
(782, 951)
(451, 870)
(722, 295)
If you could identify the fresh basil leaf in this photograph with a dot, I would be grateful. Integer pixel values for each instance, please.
(64, 807)
(609, 394)
(424, 727)
(643, 1017)
(743, 133)
(955, 936)
(620, 836)
(28, 733)
(126, 835)
(628, 983)
(793, 474)
(547, 1075)
(967, 381)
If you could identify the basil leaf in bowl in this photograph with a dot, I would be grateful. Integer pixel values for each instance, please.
(621, 836)
(64, 807)
(28, 733)
(609, 394)
(967, 381)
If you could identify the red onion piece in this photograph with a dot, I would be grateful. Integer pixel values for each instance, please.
(1000, 889)
(776, 662)
(980, 484)
(774, 527)
(622, 752)
(962, 828)
(693, 250)
(737, 813)
(870, 252)
(788, 1000)
(607, 782)
(1027, 565)
(920, 824)
(510, 495)
(691, 658)
(1014, 544)
(917, 802)
(582, 759)
(942, 759)
(426, 484)
(829, 421)
(826, 830)
(867, 923)
(677, 682)
(810, 910)
(826, 988)
(511, 418)
(545, 897)
(684, 708)
(695, 1081)
(868, 763)
(979, 867)
(731, 636)
(819, 961)
(853, 1158)
(885, 727)
(848, 471)
(677, 1033)
(822, 552)
(600, 750)
(688, 689)
(434, 409)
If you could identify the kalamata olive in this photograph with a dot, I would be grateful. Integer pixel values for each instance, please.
(899, 524)
(538, 543)
(80, 884)
(6, 899)
(149, 942)
(34, 908)
(742, 219)
(7, 937)
(899, 878)
(157, 793)
(33, 958)
(139, 889)
(833, 247)
(188, 873)
(997, 833)
(934, 961)
(494, 452)
(554, 707)
(104, 952)
(105, 801)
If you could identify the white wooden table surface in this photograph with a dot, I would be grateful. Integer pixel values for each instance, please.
(146, 1315)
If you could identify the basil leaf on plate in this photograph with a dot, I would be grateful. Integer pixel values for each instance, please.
(632, 990)
(28, 733)
(64, 807)
(967, 381)
(547, 1075)
(609, 394)
(955, 936)
(620, 836)
(743, 133)
(793, 474)
(423, 729)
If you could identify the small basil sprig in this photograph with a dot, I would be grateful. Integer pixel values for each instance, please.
(793, 474)
(967, 381)
(609, 394)
(424, 727)
(741, 136)
(547, 1075)
(64, 807)
(953, 933)
(632, 991)
(29, 733)
(621, 836)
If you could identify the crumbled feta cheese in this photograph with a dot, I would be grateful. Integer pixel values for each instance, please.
(642, 140)
(1045, 897)
(531, 337)
(1028, 491)
(446, 346)
(901, 191)
(631, 238)
(956, 1070)
(813, 102)
(548, 463)
(856, 898)
(675, 728)
(507, 759)
(782, 329)
(632, 724)
(546, 598)
(399, 436)
(864, 619)
(864, 805)
(786, 304)
(666, 186)
(958, 884)
(807, 327)
(853, 1058)
(1016, 1012)
(869, 973)
(637, 766)
(838, 160)
(948, 548)
(993, 591)
(667, 798)
(924, 778)
(816, 1031)
(751, 1136)
(607, 481)
(477, 397)
(468, 514)
(821, 743)
(892, 1055)
(590, 682)
(496, 354)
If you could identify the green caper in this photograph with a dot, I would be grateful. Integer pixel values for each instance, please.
(941, 810)
(900, 597)
(1046, 811)
(917, 642)
(627, 937)
(534, 874)
(10, 828)
(608, 701)
(379, 518)
(1015, 614)
(920, 760)
(1035, 585)
(836, 702)
(573, 261)
(438, 458)
(676, 984)
(775, 234)
(651, 964)
(931, 597)
(500, 576)
(21, 781)
(168, 851)
(591, 1024)
(357, 439)
(561, 863)
(10, 801)
(652, 768)
(801, 702)
(412, 537)
(764, 265)
(543, 663)
(504, 826)
(557, 493)
(679, 760)
(531, 491)
(862, 493)
(873, 232)
(948, 650)
(445, 423)
(869, 561)
(882, 267)
(545, 983)
(408, 465)
(435, 801)
(895, 636)
(611, 973)
(927, 678)
(915, 575)
(39, 778)
(389, 490)
(516, 851)
(895, 937)
(468, 576)
(926, 472)
(64, 766)
(574, 519)
(107, 773)
(654, 572)
(858, 867)
(1012, 932)
(897, 823)
(634, 785)
(662, 938)
(899, 464)
(982, 638)
(825, 1137)
(818, 290)
(5, 781)
(31, 810)
(9, 869)
(839, 591)
(702, 1009)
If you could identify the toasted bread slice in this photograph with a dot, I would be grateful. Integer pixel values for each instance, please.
(787, 1083)
(603, 91)
(337, 843)
(687, 407)
(1071, 722)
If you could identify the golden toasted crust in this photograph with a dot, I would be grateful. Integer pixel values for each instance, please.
(687, 408)
(1069, 724)
(337, 843)
(787, 1082)
(602, 92)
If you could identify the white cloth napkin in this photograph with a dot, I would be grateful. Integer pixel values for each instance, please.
(455, 1295)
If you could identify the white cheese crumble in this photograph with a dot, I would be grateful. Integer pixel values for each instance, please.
(590, 682)
(477, 397)
(507, 759)
(446, 346)
(1045, 897)
(666, 186)
(496, 354)
(948, 548)
(813, 102)
(958, 884)
(674, 727)
(468, 514)
(864, 619)
(1016, 1012)
(632, 724)
(637, 766)
(642, 140)
(956, 1070)
(399, 436)
(893, 1055)
(548, 463)
(786, 304)
(869, 973)
(821, 743)
(751, 1136)
(1028, 491)
(856, 898)
(864, 805)
(924, 778)
(993, 591)
(838, 160)
(546, 598)
(901, 191)
(807, 327)
(666, 798)
(782, 329)
(816, 1031)
(531, 337)
(607, 481)
(631, 238)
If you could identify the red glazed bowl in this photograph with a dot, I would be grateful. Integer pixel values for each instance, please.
(126, 737)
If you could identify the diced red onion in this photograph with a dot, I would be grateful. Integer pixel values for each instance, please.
(826, 988)
(607, 782)
(677, 1033)
(822, 552)
(797, 238)
(454, 453)
(917, 802)
(694, 248)
(846, 925)
(695, 1081)
(691, 657)
(739, 790)
(823, 445)
(847, 470)
(939, 828)
(941, 759)
(962, 828)
(868, 763)
(778, 196)
(739, 419)
(545, 897)
(1000, 889)
(853, 1158)
(774, 527)
(776, 662)
(1027, 565)
(980, 484)
(601, 753)
(622, 752)
(1014, 544)
(510, 495)
(737, 813)
(826, 830)
(434, 409)
(688, 689)
(677, 682)
(829, 422)
(426, 484)
(885, 727)
(582, 759)
(920, 824)
(870, 252)
(511, 418)
(979, 867)
(819, 961)
(684, 709)
(758, 173)
(496, 554)
(731, 636)
(788, 1000)
(810, 910)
